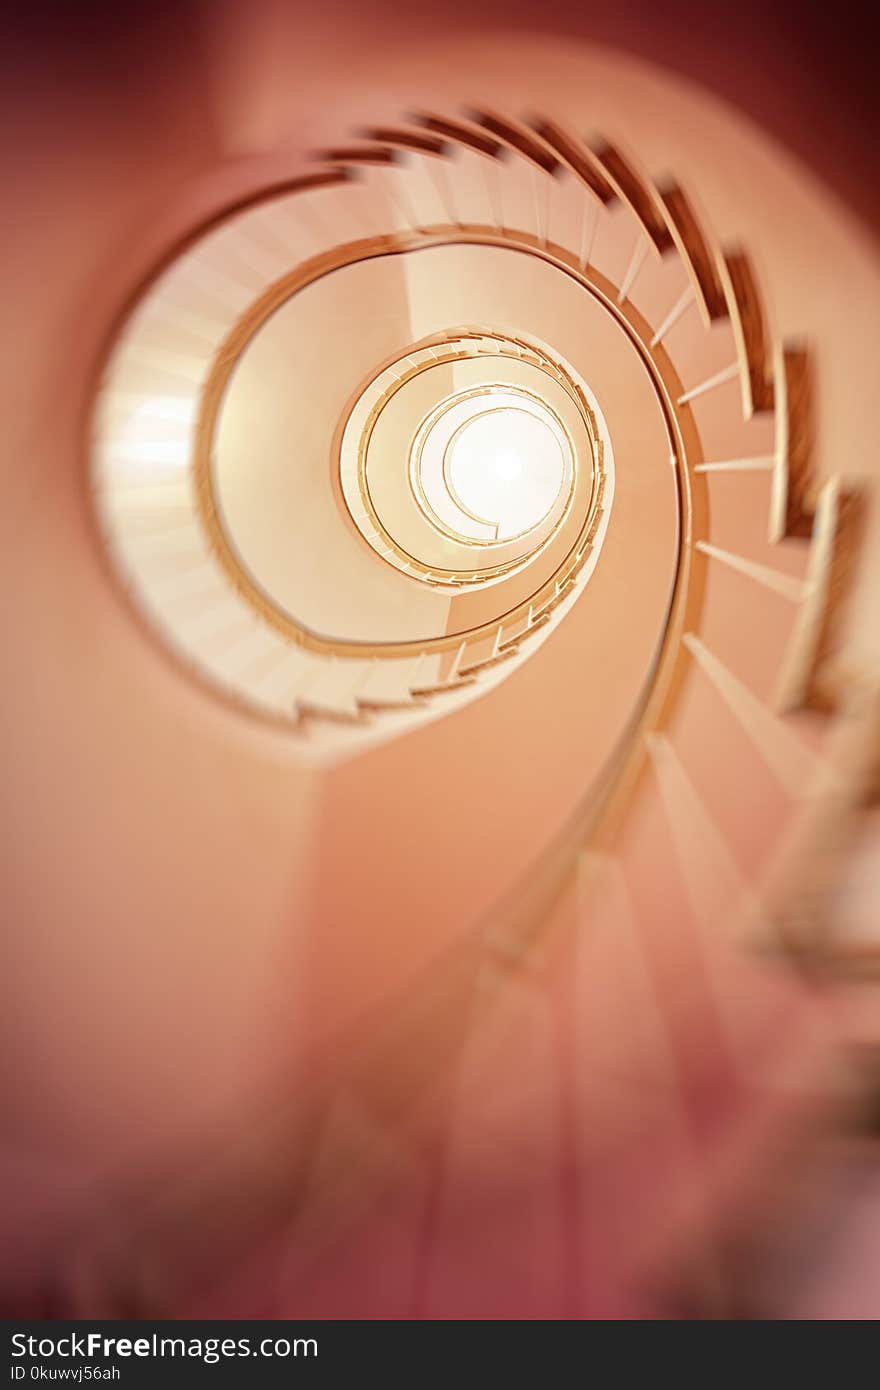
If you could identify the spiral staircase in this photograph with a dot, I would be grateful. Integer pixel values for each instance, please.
(635, 1049)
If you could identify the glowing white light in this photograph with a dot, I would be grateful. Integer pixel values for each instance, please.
(158, 432)
(492, 464)
(506, 464)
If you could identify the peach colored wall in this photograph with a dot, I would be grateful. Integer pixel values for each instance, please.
(173, 874)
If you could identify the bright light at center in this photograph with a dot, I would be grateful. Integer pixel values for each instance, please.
(492, 464)
(506, 464)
